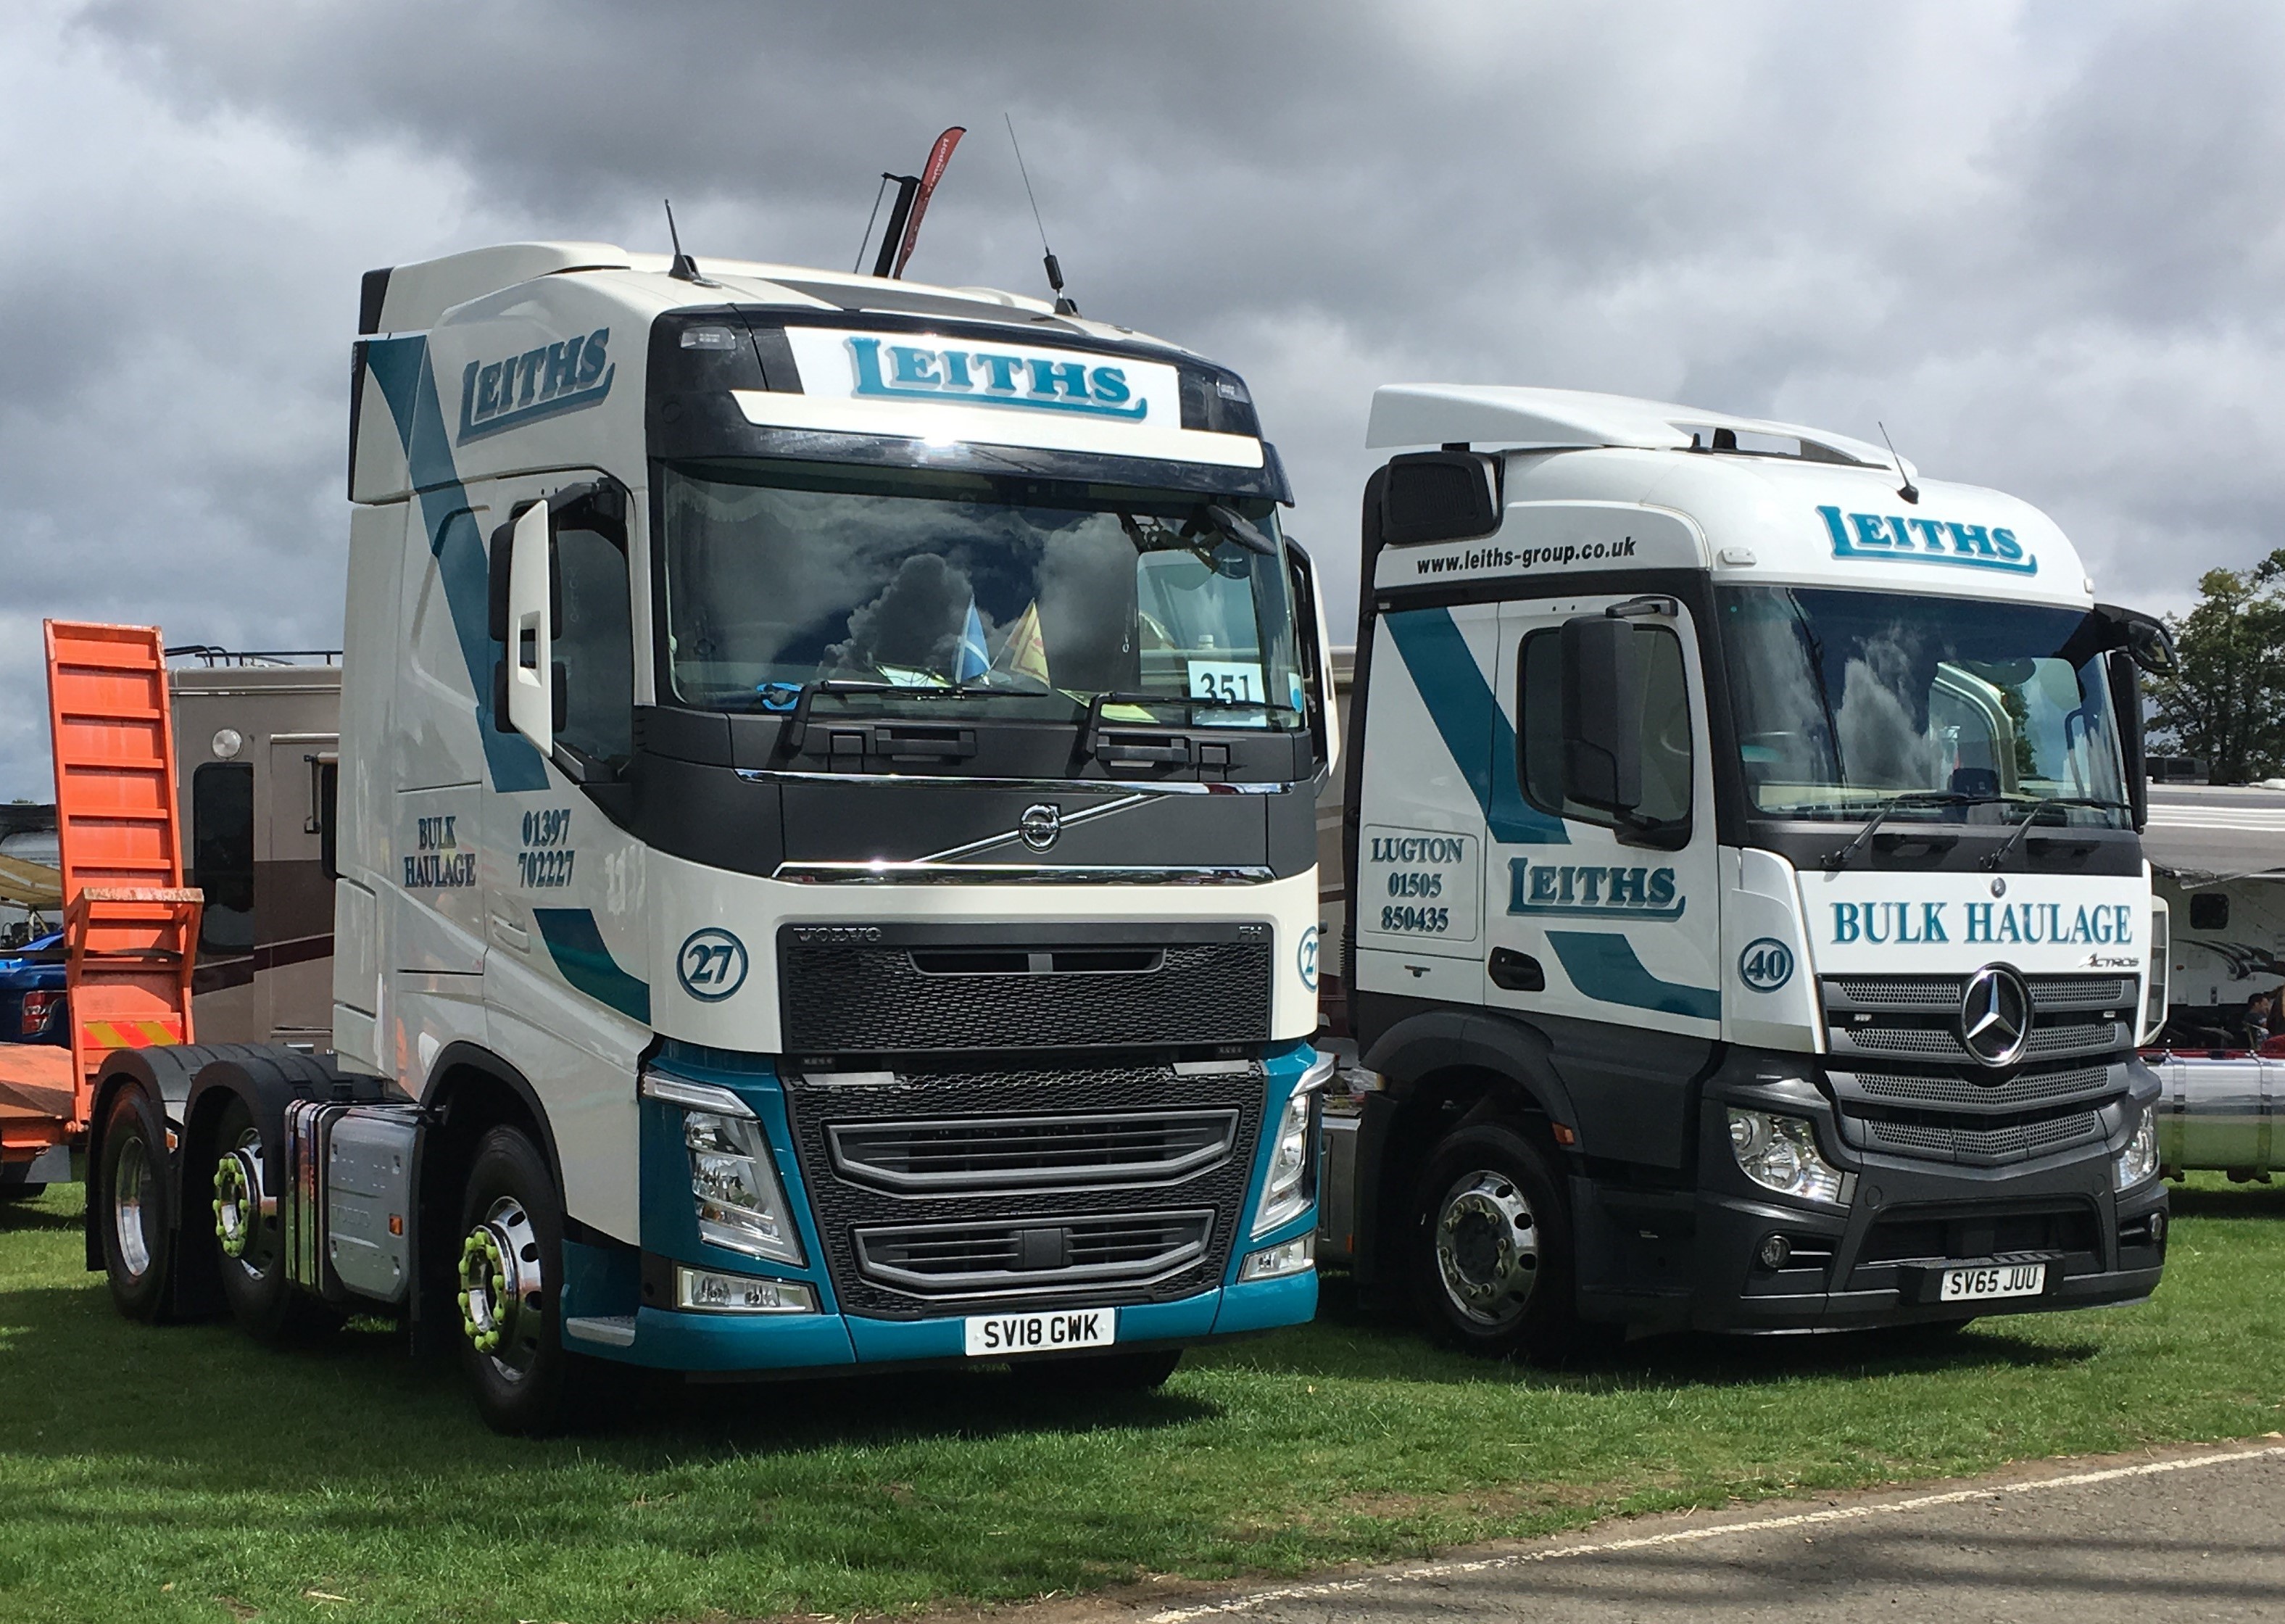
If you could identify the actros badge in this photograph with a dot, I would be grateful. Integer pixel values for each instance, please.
(711, 964)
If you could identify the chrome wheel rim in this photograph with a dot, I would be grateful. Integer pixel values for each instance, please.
(241, 1204)
(130, 1188)
(502, 1300)
(1486, 1248)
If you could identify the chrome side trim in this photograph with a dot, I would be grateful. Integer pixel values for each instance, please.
(923, 872)
(1029, 786)
(1015, 837)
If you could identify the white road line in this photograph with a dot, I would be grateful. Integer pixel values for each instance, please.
(1686, 1536)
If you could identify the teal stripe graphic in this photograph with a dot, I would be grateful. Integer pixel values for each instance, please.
(579, 951)
(401, 367)
(1603, 965)
(1467, 716)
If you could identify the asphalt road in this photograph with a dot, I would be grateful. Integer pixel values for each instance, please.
(2192, 1534)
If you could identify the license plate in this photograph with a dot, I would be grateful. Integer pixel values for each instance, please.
(1990, 1279)
(992, 1336)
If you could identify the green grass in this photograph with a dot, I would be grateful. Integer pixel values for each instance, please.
(183, 1473)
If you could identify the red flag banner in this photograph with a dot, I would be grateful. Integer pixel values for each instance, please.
(939, 155)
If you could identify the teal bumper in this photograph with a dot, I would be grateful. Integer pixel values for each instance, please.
(730, 1343)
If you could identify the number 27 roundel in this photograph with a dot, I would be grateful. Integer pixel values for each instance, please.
(711, 964)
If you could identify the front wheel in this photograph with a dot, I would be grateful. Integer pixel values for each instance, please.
(130, 1202)
(1492, 1260)
(511, 1270)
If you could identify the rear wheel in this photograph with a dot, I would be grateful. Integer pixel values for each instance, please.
(129, 1201)
(511, 1269)
(250, 1242)
(1492, 1262)
(1137, 1372)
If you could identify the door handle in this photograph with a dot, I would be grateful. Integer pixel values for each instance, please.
(1517, 972)
(509, 934)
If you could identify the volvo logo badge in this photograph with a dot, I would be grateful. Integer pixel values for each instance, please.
(1040, 826)
(1995, 1016)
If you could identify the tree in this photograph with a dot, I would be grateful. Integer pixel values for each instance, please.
(2226, 707)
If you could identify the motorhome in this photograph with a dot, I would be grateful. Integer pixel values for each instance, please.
(1747, 926)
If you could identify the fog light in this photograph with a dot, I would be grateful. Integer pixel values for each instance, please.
(1287, 1257)
(708, 1292)
(2157, 1229)
(1776, 1251)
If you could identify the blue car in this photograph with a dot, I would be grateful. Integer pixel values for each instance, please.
(32, 992)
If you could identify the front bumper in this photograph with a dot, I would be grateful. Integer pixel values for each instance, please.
(1670, 1258)
(731, 1343)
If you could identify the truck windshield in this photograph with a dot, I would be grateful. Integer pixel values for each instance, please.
(946, 590)
(1847, 702)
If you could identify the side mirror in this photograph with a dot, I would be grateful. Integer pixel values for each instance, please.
(2151, 646)
(1602, 714)
(1440, 496)
(1317, 656)
(532, 631)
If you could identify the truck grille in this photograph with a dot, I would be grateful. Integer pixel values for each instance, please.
(1932, 1235)
(1125, 1148)
(915, 989)
(1933, 1101)
(939, 1188)
(1982, 1146)
(1034, 1256)
(1914, 1017)
(1986, 1092)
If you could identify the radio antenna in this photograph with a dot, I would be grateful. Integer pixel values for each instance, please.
(684, 269)
(1064, 306)
(857, 265)
(1908, 491)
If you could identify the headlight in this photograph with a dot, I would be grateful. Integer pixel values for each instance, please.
(1781, 1153)
(1287, 1190)
(2140, 1159)
(741, 1206)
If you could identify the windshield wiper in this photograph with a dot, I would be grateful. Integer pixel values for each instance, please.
(1914, 798)
(1091, 740)
(2030, 816)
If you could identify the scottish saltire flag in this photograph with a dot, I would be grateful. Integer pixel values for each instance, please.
(974, 660)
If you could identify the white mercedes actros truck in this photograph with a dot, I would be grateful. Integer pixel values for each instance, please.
(1747, 926)
(824, 853)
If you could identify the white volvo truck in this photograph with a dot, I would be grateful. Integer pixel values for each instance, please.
(825, 855)
(1746, 920)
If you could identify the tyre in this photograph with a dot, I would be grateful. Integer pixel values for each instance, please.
(1491, 1261)
(129, 1207)
(1103, 1373)
(249, 1240)
(511, 1269)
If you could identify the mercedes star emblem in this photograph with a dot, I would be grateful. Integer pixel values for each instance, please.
(1995, 1016)
(1040, 825)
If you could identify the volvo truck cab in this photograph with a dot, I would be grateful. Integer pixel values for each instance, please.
(825, 851)
(1747, 922)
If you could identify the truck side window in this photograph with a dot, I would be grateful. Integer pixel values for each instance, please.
(594, 642)
(222, 854)
(1666, 747)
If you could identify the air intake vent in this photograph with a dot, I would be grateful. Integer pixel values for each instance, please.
(1033, 1152)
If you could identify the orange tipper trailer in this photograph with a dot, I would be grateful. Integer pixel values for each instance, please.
(130, 926)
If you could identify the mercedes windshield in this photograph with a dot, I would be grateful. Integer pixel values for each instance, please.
(1850, 704)
(911, 592)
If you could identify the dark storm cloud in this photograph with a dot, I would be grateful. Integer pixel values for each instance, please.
(2036, 239)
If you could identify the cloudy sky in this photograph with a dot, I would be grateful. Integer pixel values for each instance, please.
(2040, 242)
